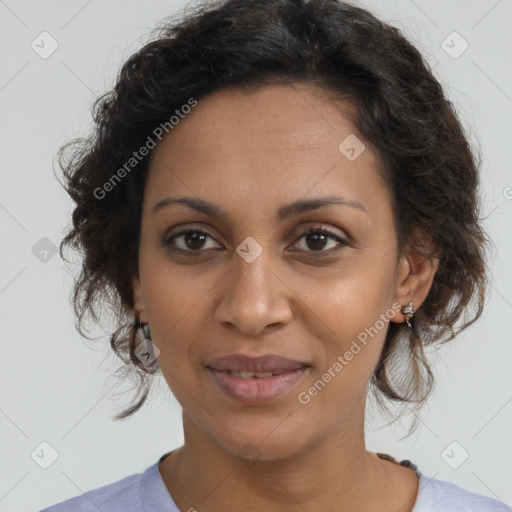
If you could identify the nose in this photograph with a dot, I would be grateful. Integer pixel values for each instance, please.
(254, 297)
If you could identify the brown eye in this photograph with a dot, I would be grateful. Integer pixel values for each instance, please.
(191, 240)
(317, 239)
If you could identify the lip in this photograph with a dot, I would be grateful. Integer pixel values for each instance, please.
(258, 390)
(244, 363)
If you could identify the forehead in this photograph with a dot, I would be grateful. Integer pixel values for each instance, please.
(272, 145)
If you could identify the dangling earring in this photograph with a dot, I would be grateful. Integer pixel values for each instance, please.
(142, 326)
(146, 351)
(408, 311)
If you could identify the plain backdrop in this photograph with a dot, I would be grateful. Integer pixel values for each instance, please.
(59, 389)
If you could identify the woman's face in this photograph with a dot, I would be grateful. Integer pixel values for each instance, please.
(250, 282)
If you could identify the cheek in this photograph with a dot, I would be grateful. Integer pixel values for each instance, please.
(352, 301)
(347, 363)
(352, 318)
(172, 301)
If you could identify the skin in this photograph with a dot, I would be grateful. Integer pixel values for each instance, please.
(251, 153)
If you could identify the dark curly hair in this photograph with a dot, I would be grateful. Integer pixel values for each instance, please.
(400, 108)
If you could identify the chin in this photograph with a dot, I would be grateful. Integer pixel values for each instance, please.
(265, 444)
(251, 453)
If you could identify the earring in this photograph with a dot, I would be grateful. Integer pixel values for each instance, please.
(146, 351)
(408, 311)
(142, 326)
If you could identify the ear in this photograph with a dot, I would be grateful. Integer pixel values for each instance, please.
(138, 303)
(415, 275)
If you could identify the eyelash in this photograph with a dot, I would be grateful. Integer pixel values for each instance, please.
(323, 231)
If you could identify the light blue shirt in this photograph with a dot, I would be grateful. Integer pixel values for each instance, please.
(146, 492)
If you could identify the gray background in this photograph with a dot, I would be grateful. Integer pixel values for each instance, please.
(58, 388)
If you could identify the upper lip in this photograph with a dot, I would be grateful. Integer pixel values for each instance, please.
(243, 363)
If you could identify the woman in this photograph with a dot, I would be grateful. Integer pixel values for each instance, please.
(283, 206)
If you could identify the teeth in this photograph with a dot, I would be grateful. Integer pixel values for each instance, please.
(250, 375)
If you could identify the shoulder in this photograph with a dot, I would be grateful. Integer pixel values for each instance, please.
(121, 496)
(441, 496)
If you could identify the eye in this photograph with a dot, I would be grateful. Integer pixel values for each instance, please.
(317, 238)
(192, 240)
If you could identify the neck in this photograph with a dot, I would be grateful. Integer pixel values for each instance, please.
(336, 473)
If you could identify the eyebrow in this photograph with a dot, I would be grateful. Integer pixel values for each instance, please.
(285, 212)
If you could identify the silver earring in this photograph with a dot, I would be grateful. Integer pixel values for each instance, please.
(408, 311)
(142, 327)
(146, 351)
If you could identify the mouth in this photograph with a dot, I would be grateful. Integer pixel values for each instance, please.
(241, 363)
(252, 375)
(256, 380)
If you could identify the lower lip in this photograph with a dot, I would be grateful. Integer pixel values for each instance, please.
(255, 390)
